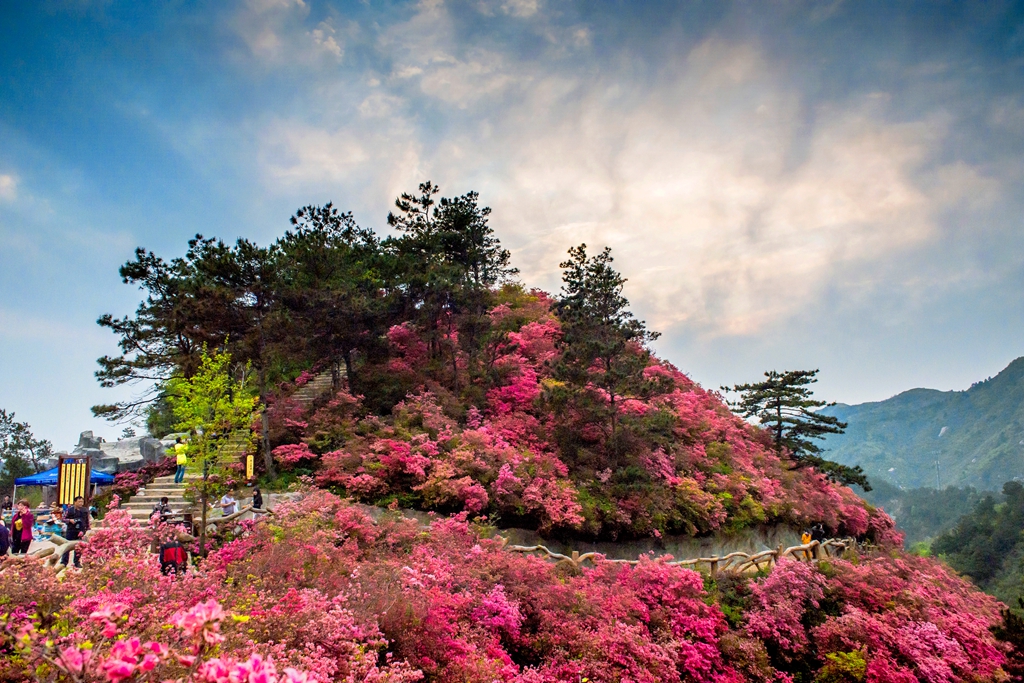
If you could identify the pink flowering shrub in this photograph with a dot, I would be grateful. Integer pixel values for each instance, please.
(320, 592)
(506, 448)
(903, 618)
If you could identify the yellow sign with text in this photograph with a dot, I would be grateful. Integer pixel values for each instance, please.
(249, 466)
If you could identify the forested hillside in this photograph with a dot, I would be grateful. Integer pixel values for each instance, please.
(924, 437)
(457, 389)
(987, 545)
(923, 513)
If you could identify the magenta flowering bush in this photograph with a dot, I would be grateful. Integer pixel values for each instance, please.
(687, 465)
(320, 593)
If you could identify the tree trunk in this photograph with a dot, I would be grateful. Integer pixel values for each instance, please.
(268, 458)
(349, 372)
(203, 501)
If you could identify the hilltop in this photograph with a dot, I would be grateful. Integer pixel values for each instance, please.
(976, 436)
(415, 372)
(454, 388)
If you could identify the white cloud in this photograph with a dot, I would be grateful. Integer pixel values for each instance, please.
(8, 188)
(275, 33)
(730, 202)
(520, 8)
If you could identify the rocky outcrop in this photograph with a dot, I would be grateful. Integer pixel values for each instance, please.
(123, 455)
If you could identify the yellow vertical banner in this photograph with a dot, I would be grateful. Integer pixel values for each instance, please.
(249, 466)
(72, 479)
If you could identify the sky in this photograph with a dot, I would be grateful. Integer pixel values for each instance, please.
(832, 185)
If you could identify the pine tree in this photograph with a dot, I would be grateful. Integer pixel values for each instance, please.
(602, 343)
(784, 405)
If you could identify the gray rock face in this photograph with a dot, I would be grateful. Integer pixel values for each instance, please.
(87, 440)
(118, 456)
(128, 454)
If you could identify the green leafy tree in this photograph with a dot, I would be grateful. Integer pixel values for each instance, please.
(217, 407)
(987, 545)
(333, 288)
(21, 453)
(785, 406)
(245, 279)
(446, 260)
(603, 345)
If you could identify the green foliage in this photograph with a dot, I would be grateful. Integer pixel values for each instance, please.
(843, 667)
(783, 405)
(603, 354)
(21, 453)
(987, 544)
(1011, 633)
(960, 438)
(217, 410)
(160, 419)
(923, 513)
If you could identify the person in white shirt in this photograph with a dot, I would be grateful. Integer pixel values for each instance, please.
(228, 505)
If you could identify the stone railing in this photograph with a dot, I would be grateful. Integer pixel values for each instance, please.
(737, 562)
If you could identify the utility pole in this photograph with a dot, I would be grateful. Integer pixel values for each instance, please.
(936, 474)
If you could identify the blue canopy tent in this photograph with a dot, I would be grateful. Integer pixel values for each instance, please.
(49, 478)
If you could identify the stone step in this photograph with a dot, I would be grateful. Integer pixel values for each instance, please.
(149, 505)
(139, 502)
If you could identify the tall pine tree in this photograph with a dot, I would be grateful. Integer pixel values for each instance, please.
(603, 345)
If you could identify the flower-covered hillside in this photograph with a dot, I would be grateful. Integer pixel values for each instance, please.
(510, 433)
(320, 593)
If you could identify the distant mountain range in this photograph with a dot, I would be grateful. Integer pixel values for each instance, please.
(954, 438)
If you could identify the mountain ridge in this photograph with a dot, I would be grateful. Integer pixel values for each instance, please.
(927, 437)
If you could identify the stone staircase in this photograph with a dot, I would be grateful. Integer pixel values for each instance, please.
(314, 388)
(142, 503)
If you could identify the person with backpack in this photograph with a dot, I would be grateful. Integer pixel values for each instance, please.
(173, 557)
(76, 520)
(181, 458)
(21, 528)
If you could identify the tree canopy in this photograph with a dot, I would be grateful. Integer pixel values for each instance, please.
(784, 405)
(21, 453)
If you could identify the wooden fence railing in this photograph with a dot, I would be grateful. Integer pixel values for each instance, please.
(737, 562)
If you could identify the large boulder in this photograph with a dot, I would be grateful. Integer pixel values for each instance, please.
(129, 454)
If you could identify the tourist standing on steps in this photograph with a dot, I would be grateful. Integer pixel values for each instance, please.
(180, 453)
(257, 499)
(21, 528)
(77, 521)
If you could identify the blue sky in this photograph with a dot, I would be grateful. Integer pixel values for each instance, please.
(786, 185)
